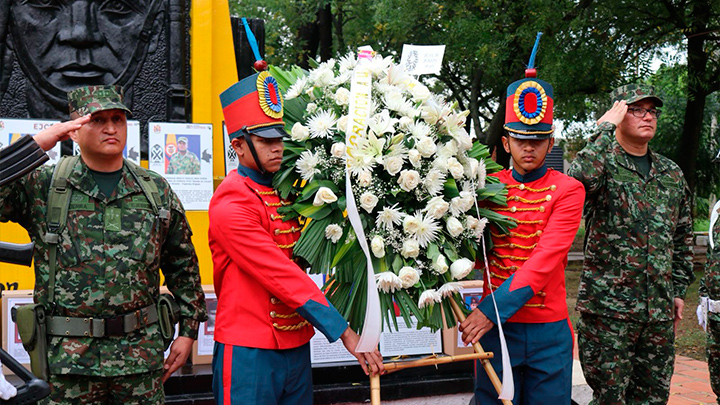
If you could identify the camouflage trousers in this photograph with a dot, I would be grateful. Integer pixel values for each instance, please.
(140, 389)
(713, 352)
(626, 362)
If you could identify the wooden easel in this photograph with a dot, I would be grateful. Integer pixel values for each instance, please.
(479, 354)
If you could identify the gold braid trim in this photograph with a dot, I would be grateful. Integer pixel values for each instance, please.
(291, 230)
(290, 246)
(274, 217)
(523, 258)
(277, 204)
(515, 245)
(501, 267)
(526, 201)
(285, 316)
(535, 305)
(516, 209)
(534, 190)
(291, 327)
(273, 192)
(534, 222)
(519, 235)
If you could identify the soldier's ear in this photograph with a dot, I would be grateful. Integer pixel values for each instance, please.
(506, 143)
(236, 144)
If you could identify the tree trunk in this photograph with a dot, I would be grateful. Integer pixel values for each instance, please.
(495, 133)
(474, 106)
(325, 28)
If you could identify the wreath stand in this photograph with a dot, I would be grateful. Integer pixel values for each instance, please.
(479, 354)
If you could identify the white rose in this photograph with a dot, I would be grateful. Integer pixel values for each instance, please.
(420, 92)
(414, 156)
(378, 246)
(342, 124)
(437, 207)
(426, 146)
(368, 201)
(429, 298)
(411, 224)
(333, 232)
(388, 282)
(299, 133)
(324, 196)
(461, 268)
(393, 164)
(311, 107)
(410, 248)
(454, 227)
(455, 168)
(338, 149)
(471, 222)
(409, 179)
(440, 264)
(364, 178)
(342, 96)
(408, 277)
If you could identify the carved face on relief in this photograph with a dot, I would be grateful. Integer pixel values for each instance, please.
(64, 44)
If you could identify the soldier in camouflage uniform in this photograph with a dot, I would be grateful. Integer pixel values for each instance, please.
(638, 254)
(109, 257)
(183, 161)
(709, 308)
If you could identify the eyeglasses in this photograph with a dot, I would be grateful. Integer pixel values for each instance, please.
(640, 112)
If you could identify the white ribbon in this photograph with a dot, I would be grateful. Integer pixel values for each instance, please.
(508, 384)
(359, 111)
(713, 218)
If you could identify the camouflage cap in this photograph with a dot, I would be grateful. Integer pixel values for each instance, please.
(182, 139)
(90, 99)
(635, 92)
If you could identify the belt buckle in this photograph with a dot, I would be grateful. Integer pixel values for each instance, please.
(114, 326)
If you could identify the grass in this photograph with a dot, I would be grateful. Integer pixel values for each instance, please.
(690, 339)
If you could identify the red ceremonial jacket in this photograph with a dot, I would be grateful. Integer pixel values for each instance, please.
(264, 299)
(527, 266)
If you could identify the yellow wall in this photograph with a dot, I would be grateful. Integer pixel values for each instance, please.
(213, 70)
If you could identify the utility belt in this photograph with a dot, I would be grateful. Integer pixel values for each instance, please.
(117, 326)
(713, 306)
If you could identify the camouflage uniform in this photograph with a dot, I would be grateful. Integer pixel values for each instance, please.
(184, 164)
(710, 287)
(638, 258)
(109, 257)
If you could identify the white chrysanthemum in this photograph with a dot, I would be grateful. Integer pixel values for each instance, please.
(307, 165)
(395, 101)
(382, 123)
(481, 174)
(428, 298)
(388, 282)
(297, 88)
(405, 123)
(359, 162)
(427, 231)
(449, 289)
(434, 182)
(388, 217)
(333, 232)
(379, 65)
(321, 124)
(341, 79)
(348, 62)
(322, 76)
(420, 129)
(479, 227)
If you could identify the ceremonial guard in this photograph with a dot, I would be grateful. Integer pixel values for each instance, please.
(709, 309)
(527, 265)
(267, 304)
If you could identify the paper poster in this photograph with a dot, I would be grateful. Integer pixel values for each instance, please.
(422, 59)
(182, 153)
(132, 146)
(409, 341)
(206, 332)
(12, 129)
(231, 158)
(322, 351)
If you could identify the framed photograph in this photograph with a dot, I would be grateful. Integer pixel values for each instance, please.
(11, 342)
(471, 294)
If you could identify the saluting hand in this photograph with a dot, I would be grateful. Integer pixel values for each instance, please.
(616, 114)
(373, 359)
(48, 137)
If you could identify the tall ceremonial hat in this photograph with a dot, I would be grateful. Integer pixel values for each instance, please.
(90, 99)
(254, 105)
(529, 104)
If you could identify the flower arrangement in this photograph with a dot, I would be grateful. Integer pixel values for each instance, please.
(415, 174)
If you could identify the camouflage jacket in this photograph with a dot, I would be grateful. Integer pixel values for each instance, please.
(638, 240)
(710, 283)
(184, 164)
(105, 271)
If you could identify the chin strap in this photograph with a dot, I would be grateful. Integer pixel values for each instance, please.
(249, 141)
